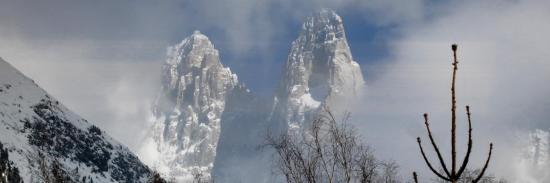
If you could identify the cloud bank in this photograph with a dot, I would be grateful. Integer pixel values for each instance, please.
(502, 73)
(102, 59)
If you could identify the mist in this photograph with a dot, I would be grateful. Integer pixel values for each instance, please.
(102, 60)
(502, 73)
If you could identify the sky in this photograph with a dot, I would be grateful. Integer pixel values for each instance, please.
(102, 59)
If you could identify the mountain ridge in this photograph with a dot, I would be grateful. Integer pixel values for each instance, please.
(207, 122)
(34, 124)
(320, 71)
(189, 108)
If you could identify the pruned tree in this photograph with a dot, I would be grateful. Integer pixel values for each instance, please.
(455, 174)
(328, 152)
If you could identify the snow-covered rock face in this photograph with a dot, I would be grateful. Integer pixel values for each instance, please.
(535, 160)
(201, 103)
(319, 70)
(538, 150)
(32, 122)
(188, 111)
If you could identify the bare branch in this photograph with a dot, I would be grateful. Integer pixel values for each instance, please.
(428, 162)
(469, 150)
(453, 114)
(415, 177)
(486, 164)
(435, 146)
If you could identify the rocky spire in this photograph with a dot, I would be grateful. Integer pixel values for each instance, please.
(319, 70)
(187, 113)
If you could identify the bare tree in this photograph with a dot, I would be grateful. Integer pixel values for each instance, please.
(455, 174)
(388, 172)
(328, 152)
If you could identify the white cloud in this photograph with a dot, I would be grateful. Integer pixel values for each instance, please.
(102, 59)
(502, 74)
(105, 65)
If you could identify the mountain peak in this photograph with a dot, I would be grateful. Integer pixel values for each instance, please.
(198, 39)
(194, 51)
(197, 35)
(320, 70)
(329, 15)
(325, 23)
(189, 108)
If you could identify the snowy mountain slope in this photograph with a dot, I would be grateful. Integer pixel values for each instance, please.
(32, 122)
(189, 108)
(320, 70)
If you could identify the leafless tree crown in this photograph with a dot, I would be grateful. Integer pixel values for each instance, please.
(328, 152)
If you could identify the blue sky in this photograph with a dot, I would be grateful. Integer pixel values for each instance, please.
(102, 59)
(366, 41)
